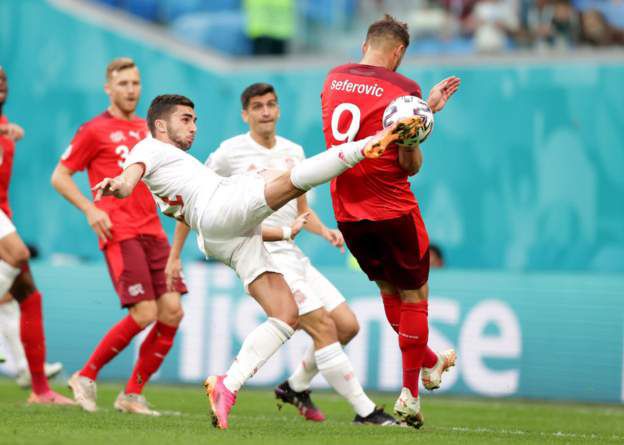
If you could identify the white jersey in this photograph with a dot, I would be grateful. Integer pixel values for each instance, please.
(241, 154)
(181, 184)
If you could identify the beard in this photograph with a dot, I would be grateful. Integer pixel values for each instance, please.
(178, 140)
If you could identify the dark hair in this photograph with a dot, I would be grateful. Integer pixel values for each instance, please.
(256, 89)
(162, 106)
(388, 28)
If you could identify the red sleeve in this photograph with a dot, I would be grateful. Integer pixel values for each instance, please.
(81, 150)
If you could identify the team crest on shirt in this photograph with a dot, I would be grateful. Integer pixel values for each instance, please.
(117, 136)
(136, 289)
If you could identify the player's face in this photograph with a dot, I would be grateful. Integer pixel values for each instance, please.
(4, 86)
(181, 127)
(124, 89)
(262, 114)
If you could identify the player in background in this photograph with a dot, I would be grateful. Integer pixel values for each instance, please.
(323, 311)
(131, 238)
(15, 275)
(227, 214)
(10, 335)
(374, 205)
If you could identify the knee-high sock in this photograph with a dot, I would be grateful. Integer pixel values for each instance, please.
(336, 368)
(327, 165)
(257, 348)
(392, 306)
(33, 340)
(10, 330)
(8, 274)
(112, 344)
(151, 355)
(413, 336)
(302, 377)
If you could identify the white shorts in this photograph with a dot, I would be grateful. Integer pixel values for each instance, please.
(310, 288)
(230, 227)
(6, 226)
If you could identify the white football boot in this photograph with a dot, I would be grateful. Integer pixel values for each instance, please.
(85, 391)
(407, 409)
(134, 404)
(432, 377)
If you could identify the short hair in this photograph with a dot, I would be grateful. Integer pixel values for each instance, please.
(256, 89)
(388, 28)
(119, 64)
(162, 106)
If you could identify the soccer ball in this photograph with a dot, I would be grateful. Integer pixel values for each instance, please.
(406, 106)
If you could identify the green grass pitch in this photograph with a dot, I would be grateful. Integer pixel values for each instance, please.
(255, 420)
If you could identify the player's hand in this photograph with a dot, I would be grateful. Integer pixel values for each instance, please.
(173, 272)
(12, 131)
(107, 187)
(300, 221)
(100, 223)
(442, 92)
(334, 236)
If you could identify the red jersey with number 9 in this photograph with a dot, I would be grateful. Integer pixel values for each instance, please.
(101, 146)
(353, 100)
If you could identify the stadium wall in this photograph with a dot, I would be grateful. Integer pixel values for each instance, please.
(555, 336)
(524, 171)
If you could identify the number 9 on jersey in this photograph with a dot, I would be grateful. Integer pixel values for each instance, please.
(406, 106)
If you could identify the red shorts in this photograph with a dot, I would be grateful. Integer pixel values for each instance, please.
(137, 268)
(393, 250)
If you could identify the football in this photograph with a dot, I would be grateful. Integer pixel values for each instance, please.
(406, 106)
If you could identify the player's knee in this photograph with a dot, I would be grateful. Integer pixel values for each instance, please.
(172, 315)
(289, 314)
(144, 312)
(19, 256)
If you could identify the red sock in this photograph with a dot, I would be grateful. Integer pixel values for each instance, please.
(33, 340)
(392, 305)
(430, 358)
(151, 355)
(112, 344)
(413, 335)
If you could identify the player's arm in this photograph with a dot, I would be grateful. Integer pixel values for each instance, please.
(98, 219)
(410, 158)
(173, 269)
(120, 186)
(442, 92)
(271, 233)
(315, 225)
(12, 131)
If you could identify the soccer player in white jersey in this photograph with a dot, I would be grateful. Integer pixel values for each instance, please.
(227, 213)
(323, 311)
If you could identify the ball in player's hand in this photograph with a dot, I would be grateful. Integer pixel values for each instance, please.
(407, 106)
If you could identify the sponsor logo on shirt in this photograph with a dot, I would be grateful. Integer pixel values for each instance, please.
(117, 137)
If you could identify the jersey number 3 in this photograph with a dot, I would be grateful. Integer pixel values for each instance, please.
(354, 126)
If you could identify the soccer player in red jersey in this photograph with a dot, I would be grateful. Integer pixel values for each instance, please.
(15, 275)
(374, 205)
(131, 238)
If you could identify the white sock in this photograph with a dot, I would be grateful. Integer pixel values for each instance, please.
(7, 276)
(301, 379)
(327, 165)
(10, 330)
(336, 368)
(257, 348)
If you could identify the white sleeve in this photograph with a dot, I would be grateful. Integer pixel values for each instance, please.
(144, 153)
(219, 163)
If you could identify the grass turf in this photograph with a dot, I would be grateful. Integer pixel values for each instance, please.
(255, 420)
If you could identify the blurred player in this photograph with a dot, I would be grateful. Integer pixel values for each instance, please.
(15, 275)
(227, 213)
(374, 205)
(10, 333)
(323, 312)
(131, 238)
